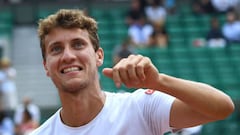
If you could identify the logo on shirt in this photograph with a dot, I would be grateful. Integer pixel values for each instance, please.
(149, 91)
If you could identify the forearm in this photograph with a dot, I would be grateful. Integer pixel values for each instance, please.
(202, 98)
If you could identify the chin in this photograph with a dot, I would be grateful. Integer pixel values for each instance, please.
(74, 86)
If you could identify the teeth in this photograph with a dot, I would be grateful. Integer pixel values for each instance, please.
(70, 69)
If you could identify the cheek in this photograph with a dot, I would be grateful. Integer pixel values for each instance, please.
(88, 57)
(50, 66)
(47, 70)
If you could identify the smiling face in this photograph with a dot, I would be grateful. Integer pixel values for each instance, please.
(71, 61)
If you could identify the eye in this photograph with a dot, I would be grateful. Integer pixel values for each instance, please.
(78, 45)
(55, 49)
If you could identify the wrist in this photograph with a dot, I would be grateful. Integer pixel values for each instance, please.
(161, 82)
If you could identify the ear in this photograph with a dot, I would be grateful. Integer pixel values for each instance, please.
(45, 67)
(99, 57)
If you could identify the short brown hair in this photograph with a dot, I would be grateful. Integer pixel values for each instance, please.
(68, 18)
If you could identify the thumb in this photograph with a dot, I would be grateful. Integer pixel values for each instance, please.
(108, 72)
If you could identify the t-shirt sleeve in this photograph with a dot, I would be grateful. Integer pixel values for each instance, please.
(156, 107)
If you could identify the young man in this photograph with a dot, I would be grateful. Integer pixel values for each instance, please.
(71, 57)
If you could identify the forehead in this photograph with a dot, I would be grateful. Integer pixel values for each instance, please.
(64, 35)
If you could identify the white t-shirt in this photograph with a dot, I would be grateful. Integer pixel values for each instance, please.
(8, 89)
(224, 5)
(156, 14)
(32, 108)
(232, 31)
(140, 34)
(135, 113)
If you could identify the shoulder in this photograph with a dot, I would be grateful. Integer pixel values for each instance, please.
(148, 93)
(139, 95)
(128, 94)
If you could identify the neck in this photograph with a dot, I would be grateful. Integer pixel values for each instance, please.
(79, 109)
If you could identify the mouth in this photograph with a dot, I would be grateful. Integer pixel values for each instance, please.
(71, 69)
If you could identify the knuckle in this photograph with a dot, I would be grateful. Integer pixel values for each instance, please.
(123, 59)
(139, 67)
(115, 69)
(147, 59)
(129, 65)
(121, 69)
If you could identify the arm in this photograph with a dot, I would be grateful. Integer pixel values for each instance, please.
(196, 103)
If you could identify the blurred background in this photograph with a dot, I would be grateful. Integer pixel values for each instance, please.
(192, 39)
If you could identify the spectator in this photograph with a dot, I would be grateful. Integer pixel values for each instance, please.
(231, 28)
(27, 125)
(135, 12)
(215, 36)
(155, 12)
(203, 7)
(6, 124)
(237, 8)
(32, 108)
(159, 37)
(224, 6)
(122, 51)
(170, 6)
(8, 87)
(140, 32)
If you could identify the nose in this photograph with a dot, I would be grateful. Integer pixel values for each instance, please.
(68, 55)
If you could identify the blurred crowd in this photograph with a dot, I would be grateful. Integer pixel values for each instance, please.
(15, 118)
(146, 21)
(229, 32)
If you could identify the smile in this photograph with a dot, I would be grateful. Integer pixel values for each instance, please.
(71, 69)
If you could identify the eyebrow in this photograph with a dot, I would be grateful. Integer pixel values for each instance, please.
(50, 46)
(72, 40)
(81, 37)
